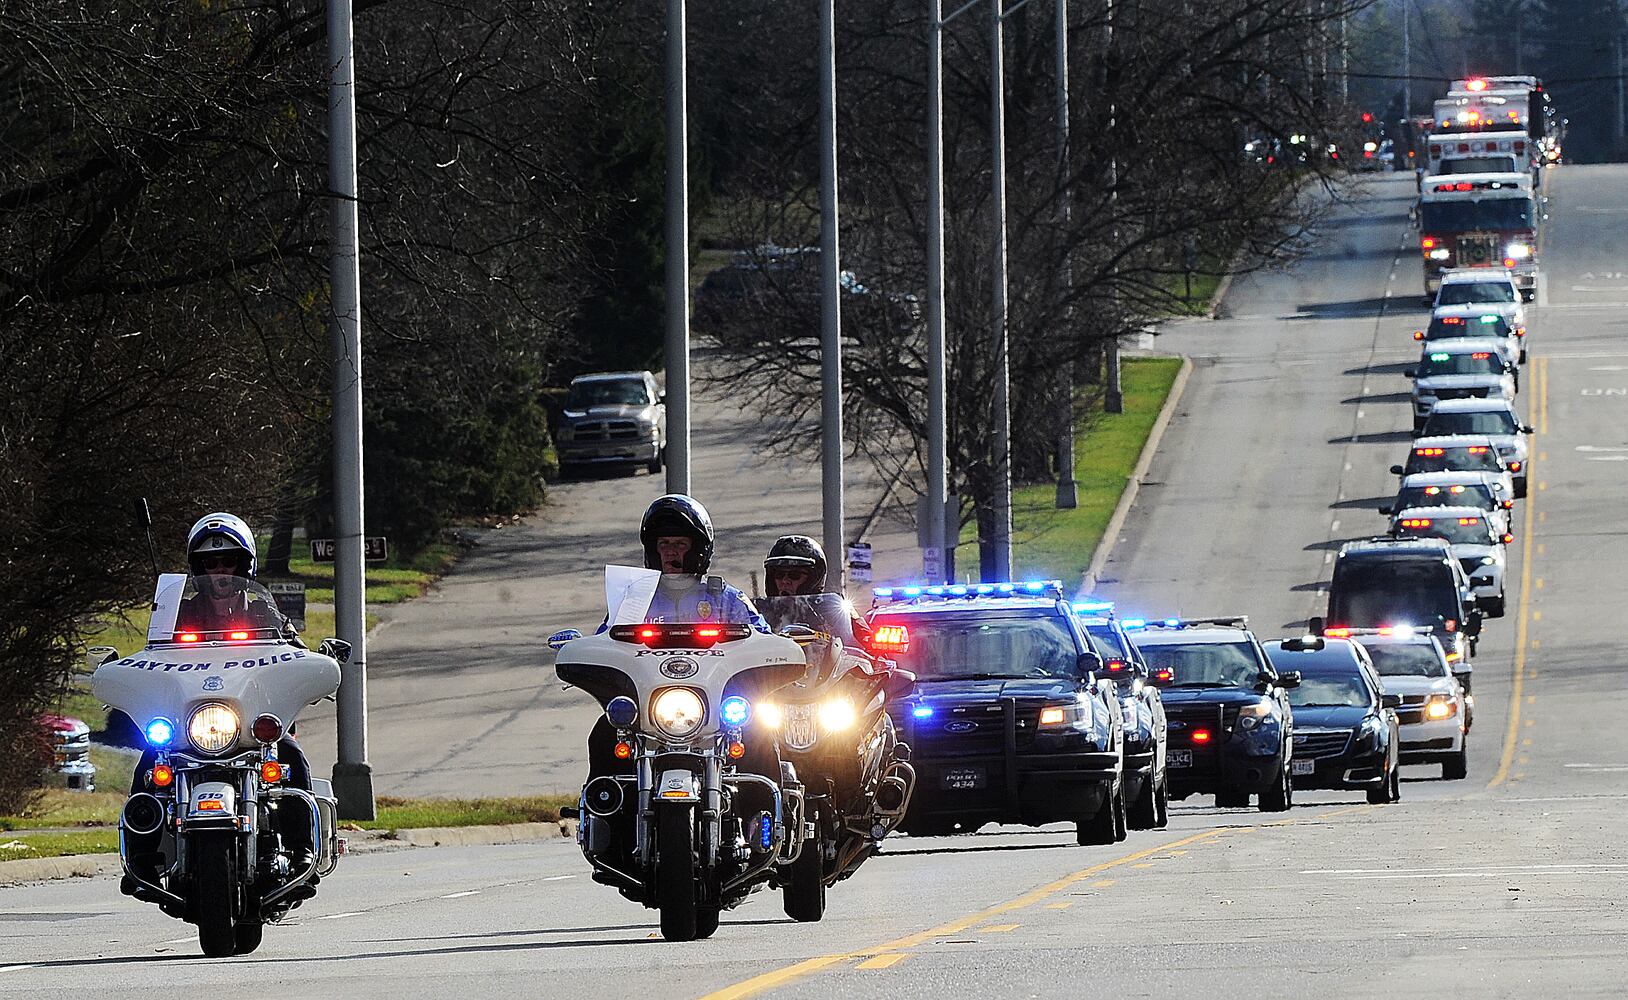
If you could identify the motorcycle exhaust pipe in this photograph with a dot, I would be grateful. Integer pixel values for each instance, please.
(603, 796)
(891, 795)
(143, 814)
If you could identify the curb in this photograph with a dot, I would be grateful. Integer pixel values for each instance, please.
(361, 842)
(1224, 286)
(1116, 522)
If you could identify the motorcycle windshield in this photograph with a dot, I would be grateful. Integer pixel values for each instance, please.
(208, 607)
(832, 614)
(634, 596)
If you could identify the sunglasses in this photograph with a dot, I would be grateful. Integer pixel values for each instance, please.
(792, 574)
(216, 562)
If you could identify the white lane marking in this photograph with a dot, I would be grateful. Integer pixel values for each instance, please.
(558, 878)
(460, 895)
(184, 940)
(1328, 557)
(1334, 527)
(1606, 866)
(1608, 458)
(1348, 466)
(1359, 417)
(20, 968)
(337, 916)
(1609, 368)
(1601, 447)
(1599, 288)
(1611, 768)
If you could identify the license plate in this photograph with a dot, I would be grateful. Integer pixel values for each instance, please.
(1180, 758)
(1303, 767)
(961, 779)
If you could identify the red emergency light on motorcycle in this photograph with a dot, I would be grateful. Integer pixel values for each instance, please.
(676, 636)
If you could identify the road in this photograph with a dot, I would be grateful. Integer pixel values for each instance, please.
(1509, 884)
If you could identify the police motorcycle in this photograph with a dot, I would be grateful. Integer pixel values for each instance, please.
(833, 725)
(213, 706)
(693, 819)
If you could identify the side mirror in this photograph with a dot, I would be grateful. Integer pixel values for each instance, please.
(1289, 679)
(1386, 509)
(1303, 644)
(1528, 429)
(1410, 373)
(661, 398)
(562, 637)
(1315, 624)
(1396, 470)
(898, 683)
(1089, 664)
(1390, 701)
(98, 655)
(339, 649)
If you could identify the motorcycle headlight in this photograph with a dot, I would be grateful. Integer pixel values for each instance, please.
(213, 727)
(678, 712)
(837, 715)
(1253, 715)
(769, 714)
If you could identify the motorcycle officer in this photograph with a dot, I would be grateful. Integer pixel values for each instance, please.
(796, 567)
(221, 559)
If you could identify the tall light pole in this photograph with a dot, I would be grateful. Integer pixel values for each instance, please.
(1000, 408)
(836, 545)
(678, 256)
(1407, 72)
(352, 774)
(937, 433)
(1067, 486)
(1113, 396)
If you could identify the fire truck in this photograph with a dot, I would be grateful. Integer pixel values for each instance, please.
(1479, 220)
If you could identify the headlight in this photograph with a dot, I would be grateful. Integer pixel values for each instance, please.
(1488, 560)
(1518, 251)
(837, 715)
(769, 714)
(1077, 713)
(1254, 715)
(679, 712)
(213, 727)
(1441, 707)
(1440, 254)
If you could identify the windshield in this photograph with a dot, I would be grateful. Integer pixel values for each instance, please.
(1461, 495)
(607, 392)
(1467, 458)
(953, 648)
(1369, 593)
(212, 607)
(635, 595)
(1463, 293)
(829, 613)
(1329, 691)
(1456, 530)
(1400, 660)
(1489, 325)
(1472, 363)
(1205, 664)
(1442, 424)
(1478, 165)
(1464, 216)
(1105, 643)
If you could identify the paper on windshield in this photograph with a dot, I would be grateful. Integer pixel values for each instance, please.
(628, 593)
(166, 606)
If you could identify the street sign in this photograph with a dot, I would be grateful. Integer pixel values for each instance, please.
(932, 563)
(290, 600)
(859, 562)
(374, 549)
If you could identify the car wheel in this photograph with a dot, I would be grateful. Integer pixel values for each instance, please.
(1101, 827)
(1396, 782)
(1495, 606)
(1457, 767)
(1162, 805)
(654, 465)
(1280, 796)
(1121, 827)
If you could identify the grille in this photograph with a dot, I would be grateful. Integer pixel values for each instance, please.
(971, 730)
(1410, 717)
(1475, 392)
(1415, 699)
(1477, 251)
(1320, 744)
(798, 729)
(607, 430)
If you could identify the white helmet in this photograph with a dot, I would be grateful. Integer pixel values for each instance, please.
(221, 532)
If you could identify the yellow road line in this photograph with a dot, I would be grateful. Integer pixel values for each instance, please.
(1065, 904)
(1525, 615)
(882, 961)
(780, 977)
(999, 928)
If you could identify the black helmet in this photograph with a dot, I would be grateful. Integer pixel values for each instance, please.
(677, 514)
(796, 552)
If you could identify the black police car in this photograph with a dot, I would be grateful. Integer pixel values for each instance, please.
(1008, 721)
(1228, 709)
(1346, 729)
(1147, 787)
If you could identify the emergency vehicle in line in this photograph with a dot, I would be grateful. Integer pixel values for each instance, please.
(1481, 153)
(1479, 220)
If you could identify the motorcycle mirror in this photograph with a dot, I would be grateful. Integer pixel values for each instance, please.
(898, 684)
(339, 649)
(98, 655)
(802, 635)
(562, 637)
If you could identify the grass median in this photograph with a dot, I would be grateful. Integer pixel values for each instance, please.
(1048, 543)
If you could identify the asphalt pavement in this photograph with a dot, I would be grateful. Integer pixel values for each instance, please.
(1508, 884)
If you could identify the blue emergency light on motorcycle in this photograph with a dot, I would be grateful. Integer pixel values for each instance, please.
(160, 732)
(622, 711)
(735, 710)
(765, 836)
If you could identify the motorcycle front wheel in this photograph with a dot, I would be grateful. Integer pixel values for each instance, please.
(675, 873)
(805, 890)
(215, 889)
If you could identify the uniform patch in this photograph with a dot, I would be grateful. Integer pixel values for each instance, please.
(704, 610)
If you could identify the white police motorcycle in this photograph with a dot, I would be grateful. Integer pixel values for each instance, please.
(698, 810)
(213, 704)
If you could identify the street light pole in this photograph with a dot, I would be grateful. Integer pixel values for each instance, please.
(830, 302)
(1001, 407)
(1067, 486)
(678, 256)
(937, 432)
(1113, 396)
(352, 774)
